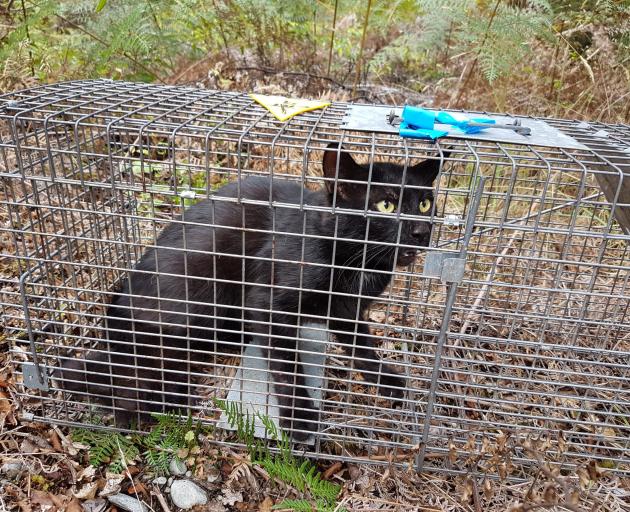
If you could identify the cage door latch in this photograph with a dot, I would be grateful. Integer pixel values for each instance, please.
(33, 379)
(446, 266)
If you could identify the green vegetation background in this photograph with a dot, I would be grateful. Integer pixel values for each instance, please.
(565, 58)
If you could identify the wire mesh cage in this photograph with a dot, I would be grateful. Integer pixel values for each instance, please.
(388, 300)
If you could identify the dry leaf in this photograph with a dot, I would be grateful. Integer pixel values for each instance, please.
(452, 452)
(503, 471)
(112, 484)
(43, 499)
(485, 445)
(137, 488)
(354, 472)
(86, 474)
(332, 470)
(549, 494)
(47, 501)
(35, 444)
(562, 443)
(87, 492)
(594, 471)
(74, 506)
(55, 441)
(583, 477)
(467, 490)
(4, 380)
(131, 471)
(488, 492)
(5, 404)
(231, 497)
(25, 505)
(573, 498)
(266, 505)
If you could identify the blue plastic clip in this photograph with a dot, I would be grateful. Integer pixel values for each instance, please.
(464, 124)
(418, 123)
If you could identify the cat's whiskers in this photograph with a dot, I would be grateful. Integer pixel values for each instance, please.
(364, 273)
(355, 257)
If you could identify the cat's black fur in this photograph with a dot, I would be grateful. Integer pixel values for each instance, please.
(162, 337)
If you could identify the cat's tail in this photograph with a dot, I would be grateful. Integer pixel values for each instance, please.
(94, 379)
(128, 376)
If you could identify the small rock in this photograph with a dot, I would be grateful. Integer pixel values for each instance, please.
(97, 505)
(160, 480)
(127, 503)
(188, 474)
(12, 469)
(186, 494)
(177, 467)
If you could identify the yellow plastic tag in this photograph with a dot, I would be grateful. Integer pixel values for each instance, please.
(285, 108)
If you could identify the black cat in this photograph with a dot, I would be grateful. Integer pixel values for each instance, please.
(235, 268)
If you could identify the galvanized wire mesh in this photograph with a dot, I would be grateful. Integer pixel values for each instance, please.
(533, 342)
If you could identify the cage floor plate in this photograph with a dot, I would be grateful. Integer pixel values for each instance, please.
(252, 386)
(374, 119)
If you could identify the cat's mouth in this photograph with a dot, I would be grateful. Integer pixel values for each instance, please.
(406, 257)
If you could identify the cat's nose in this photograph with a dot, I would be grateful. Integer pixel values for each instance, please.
(420, 229)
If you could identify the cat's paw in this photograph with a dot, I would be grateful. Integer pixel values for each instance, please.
(300, 424)
(393, 386)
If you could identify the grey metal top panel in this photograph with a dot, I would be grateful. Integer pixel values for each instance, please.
(374, 119)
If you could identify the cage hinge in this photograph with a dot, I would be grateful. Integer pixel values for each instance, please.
(449, 268)
(33, 379)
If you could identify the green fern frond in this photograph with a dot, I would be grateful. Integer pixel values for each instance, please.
(301, 474)
(158, 460)
(297, 505)
(110, 448)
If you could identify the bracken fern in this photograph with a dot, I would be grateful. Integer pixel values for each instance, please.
(170, 434)
(299, 473)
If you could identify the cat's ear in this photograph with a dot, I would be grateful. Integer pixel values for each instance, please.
(428, 170)
(348, 170)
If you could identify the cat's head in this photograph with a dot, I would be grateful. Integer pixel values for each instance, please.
(384, 196)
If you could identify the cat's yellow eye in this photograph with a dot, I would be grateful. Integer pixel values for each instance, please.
(425, 205)
(385, 206)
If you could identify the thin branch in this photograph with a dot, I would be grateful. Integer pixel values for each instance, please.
(28, 36)
(160, 497)
(332, 38)
(221, 31)
(104, 43)
(462, 88)
(359, 60)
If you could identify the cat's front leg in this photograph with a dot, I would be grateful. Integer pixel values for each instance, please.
(297, 409)
(390, 383)
(359, 344)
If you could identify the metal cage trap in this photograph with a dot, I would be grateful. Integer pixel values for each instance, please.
(511, 323)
